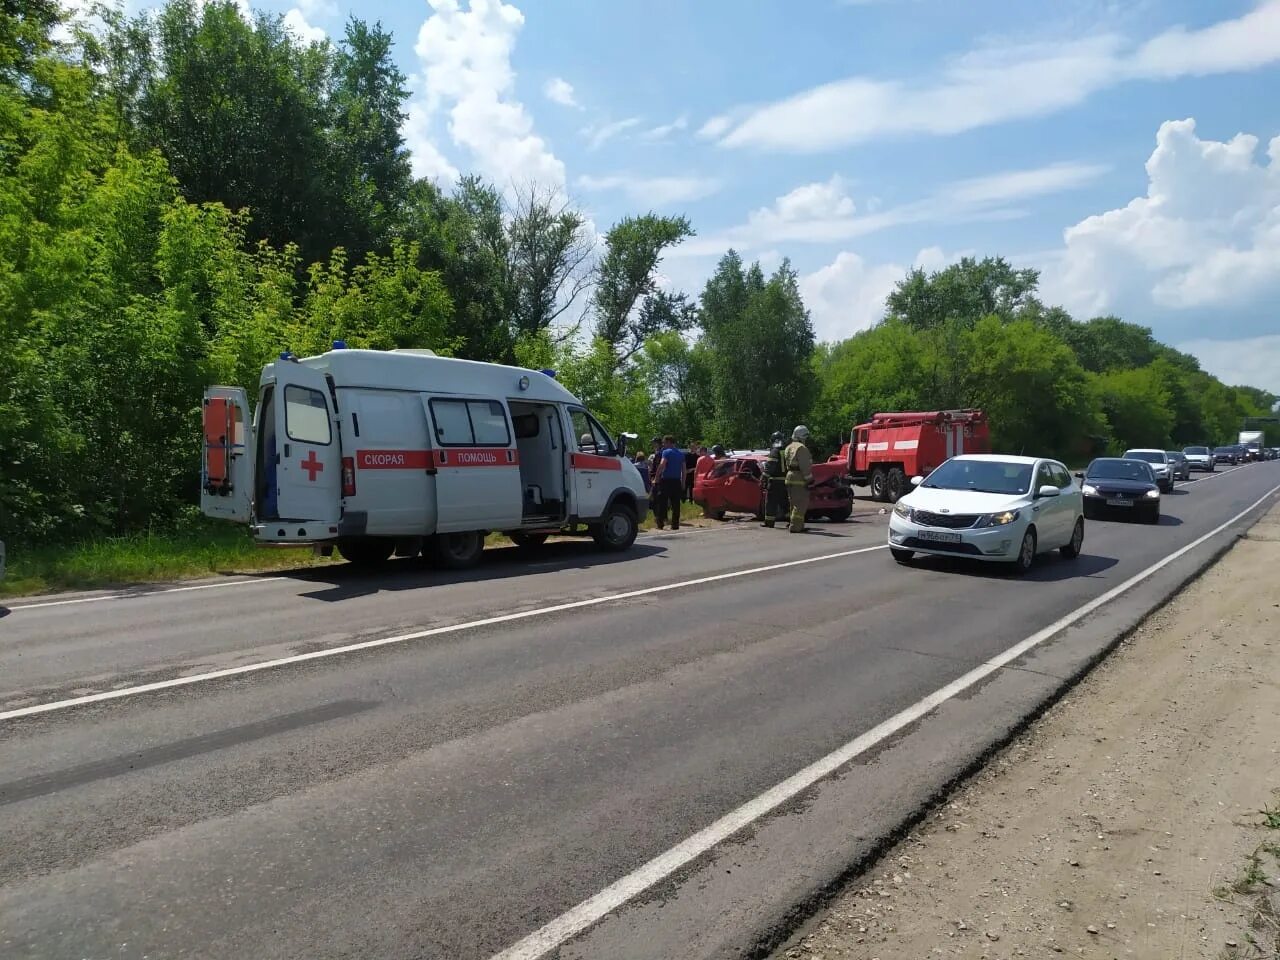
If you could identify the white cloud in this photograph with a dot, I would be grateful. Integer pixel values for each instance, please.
(465, 51)
(1199, 254)
(848, 294)
(663, 131)
(559, 90)
(654, 191)
(295, 21)
(813, 201)
(1253, 361)
(715, 127)
(824, 212)
(994, 85)
(318, 9)
(598, 136)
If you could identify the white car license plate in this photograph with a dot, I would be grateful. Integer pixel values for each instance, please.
(939, 536)
(1119, 502)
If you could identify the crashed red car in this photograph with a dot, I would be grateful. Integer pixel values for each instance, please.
(733, 486)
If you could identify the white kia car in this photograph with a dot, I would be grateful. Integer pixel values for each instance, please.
(990, 507)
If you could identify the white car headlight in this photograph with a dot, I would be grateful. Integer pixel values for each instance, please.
(1089, 490)
(1153, 494)
(902, 510)
(1002, 519)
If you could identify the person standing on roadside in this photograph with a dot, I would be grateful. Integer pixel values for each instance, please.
(773, 484)
(797, 463)
(705, 463)
(690, 468)
(670, 486)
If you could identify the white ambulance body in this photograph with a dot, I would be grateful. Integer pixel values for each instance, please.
(377, 452)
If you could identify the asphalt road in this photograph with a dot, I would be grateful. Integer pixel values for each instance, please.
(445, 795)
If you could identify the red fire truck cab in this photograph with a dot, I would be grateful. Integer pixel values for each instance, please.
(893, 447)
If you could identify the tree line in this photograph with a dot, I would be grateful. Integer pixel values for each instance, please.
(186, 192)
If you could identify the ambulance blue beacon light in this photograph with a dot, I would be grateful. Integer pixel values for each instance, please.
(550, 373)
(339, 344)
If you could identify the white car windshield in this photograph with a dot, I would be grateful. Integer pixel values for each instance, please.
(1197, 451)
(1151, 456)
(981, 476)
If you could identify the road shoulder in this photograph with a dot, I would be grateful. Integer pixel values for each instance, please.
(1127, 821)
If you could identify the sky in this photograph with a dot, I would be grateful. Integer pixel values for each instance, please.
(1127, 149)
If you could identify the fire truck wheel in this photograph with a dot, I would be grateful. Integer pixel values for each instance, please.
(897, 484)
(528, 541)
(879, 485)
(458, 551)
(902, 556)
(617, 530)
(366, 551)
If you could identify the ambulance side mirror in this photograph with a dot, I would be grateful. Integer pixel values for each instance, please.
(622, 442)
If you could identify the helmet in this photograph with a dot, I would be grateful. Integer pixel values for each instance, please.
(800, 433)
(717, 450)
(777, 437)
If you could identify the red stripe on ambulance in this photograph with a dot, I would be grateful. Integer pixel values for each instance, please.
(477, 457)
(591, 461)
(393, 459)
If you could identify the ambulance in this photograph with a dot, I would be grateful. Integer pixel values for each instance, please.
(402, 452)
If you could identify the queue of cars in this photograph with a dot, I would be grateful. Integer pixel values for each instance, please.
(1012, 509)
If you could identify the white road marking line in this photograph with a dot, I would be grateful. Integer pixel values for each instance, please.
(568, 925)
(139, 594)
(416, 635)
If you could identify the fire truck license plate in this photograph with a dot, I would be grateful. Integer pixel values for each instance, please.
(939, 536)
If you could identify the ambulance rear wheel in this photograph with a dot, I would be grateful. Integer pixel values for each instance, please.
(897, 484)
(617, 530)
(879, 485)
(366, 551)
(457, 551)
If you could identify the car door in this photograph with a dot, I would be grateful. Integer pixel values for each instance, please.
(308, 455)
(1047, 511)
(1072, 500)
(595, 465)
(742, 488)
(477, 465)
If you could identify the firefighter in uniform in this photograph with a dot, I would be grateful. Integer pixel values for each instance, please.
(773, 485)
(797, 464)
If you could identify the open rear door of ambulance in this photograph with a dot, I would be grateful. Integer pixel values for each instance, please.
(226, 487)
(307, 449)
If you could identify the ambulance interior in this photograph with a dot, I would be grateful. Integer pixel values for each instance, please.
(540, 440)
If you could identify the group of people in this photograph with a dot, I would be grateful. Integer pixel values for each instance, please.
(669, 474)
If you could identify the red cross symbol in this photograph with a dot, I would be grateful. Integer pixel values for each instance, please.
(311, 465)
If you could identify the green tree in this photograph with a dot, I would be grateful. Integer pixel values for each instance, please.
(964, 292)
(1034, 391)
(760, 339)
(1137, 406)
(629, 307)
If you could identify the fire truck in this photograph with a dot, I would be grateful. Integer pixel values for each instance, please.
(893, 447)
(380, 452)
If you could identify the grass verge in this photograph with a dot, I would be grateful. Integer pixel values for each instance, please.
(197, 548)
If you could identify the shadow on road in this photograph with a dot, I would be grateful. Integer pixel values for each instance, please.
(4, 612)
(1167, 520)
(1049, 567)
(347, 581)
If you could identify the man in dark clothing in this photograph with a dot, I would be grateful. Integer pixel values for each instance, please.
(670, 486)
(690, 466)
(773, 485)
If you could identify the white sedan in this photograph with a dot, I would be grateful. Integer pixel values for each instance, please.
(992, 508)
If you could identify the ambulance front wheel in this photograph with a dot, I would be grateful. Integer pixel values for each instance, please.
(366, 551)
(617, 531)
